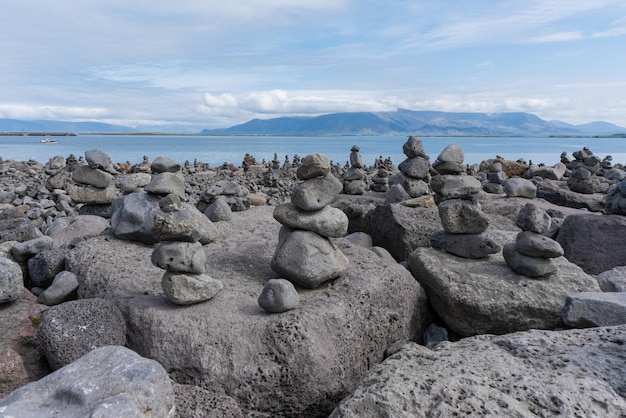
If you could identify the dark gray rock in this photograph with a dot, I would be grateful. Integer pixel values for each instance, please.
(195, 402)
(595, 309)
(109, 381)
(91, 195)
(416, 167)
(24, 250)
(595, 243)
(315, 193)
(413, 147)
(97, 159)
(519, 187)
(526, 374)
(219, 211)
(460, 216)
(327, 222)
(532, 218)
(132, 217)
(558, 194)
(166, 183)
(353, 173)
(44, 266)
(11, 281)
(533, 244)
(434, 335)
(182, 257)
(84, 174)
(70, 230)
(165, 165)
(312, 166)
(525, 265)
(15, 226)
(62, 288)
(72, 329)
(396, 194)
(449, 186)
(464, 245)
(185, 224)
(278, 295)
(613, 280)
(360, 238)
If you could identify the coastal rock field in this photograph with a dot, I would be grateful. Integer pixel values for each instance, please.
(302, 288)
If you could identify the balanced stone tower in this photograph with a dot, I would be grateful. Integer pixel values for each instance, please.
(305, 255)
(532, 253)
(354, 178)
(464, 223)
(93, 184)
(414, 175)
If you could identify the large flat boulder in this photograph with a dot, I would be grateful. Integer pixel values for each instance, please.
(295, 364)
(574, 373)
(485, 296)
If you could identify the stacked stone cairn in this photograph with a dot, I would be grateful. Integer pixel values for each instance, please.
(354, 178)
(180, 253)
(533, 252)
(93, 184)
(616, 199)
(583, 178)
(380, 181)
(305, 254)
(464, 223)
(495, 178)
(414, 176)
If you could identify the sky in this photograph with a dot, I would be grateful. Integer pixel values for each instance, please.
(187, 65)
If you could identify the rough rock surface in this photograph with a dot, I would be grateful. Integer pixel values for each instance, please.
(485, 296)
(305, 360)
(595, 309)
(574, 373)
(595, 243)
(11, 280)
(110, 381)
(195, 402)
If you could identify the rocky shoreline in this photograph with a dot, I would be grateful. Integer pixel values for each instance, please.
(304, 288)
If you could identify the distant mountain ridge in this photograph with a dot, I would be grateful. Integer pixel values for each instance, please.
(426, 123)
(15, 125)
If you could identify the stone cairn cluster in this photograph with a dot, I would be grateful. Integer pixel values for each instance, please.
(414, 176)
(94, 185)
(180, 253)
(354, 178)
(532, 253)
(464, 223)
(616, 199)
(305, 255)
(380, 181)
(584, 169)
(495, 178)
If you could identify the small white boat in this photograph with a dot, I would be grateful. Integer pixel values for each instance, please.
(49, 141)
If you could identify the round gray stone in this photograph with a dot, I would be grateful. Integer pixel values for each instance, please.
(533, 244)
(315, 193)
(527, 266)
(182, 257)
(278, 295)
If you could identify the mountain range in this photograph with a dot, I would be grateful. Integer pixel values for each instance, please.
(399, 122)
(425, 123)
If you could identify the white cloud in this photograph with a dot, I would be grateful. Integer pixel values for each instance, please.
(22, 111)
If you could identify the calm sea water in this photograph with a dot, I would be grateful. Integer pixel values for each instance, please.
(216, 150)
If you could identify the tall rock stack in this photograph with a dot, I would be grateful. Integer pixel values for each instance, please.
(167, 178)
(414, 175)
(93, 184)
(380, 181)
(583, 178)
(354, 178)
(464, 223)
(495, 178)
(305, 255)
(532, 253)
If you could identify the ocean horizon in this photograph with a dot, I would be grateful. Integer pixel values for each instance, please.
(215, 150)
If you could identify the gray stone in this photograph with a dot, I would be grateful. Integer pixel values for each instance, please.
(132, 182)
(315, 193)
(525, 265)
(353, 173)
(322, 349)
(533, 244)
(170, 203)
(219, 211)
(195, 402)
(185, 224)
(63, 286)
(615, 174)
(450, 186)
(449, 167)
(24, 250)
(187, 289)
(499, 177)
(312, 166)
(72, 329)
(519, 187)
(558, 194)
(413, 147)
(166, 183)
(383, 253)
(109, 381)
(464, 245)
(434, 335)
(613, 280)
(165, 165)
(327, 222)
(307, 259)
(354, 187)
(555, 172)
(595, 243)
(526, 374)
(396, 194)
(11, 281)
(452, 153)
(132, 217)
(401, 229)
(70, 230)
(484, 296)
(531, 218)
(182, 257)
(92, 195)
(460, 216)
(416, 167)
(223, 188)
(586, 185)
(278, 295)
(15, 226)
(595, 309)
(360, 238)
(97, 159)
(44, 266)
(84, 174)
(616, 199)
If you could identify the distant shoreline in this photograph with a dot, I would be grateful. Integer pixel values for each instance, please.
(44, 133)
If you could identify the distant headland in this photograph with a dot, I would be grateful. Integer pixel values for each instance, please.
(21, 133)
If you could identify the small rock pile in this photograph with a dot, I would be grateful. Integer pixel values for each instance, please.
(464, 223)
(495, 178)
(583, 178)
(414, 176)
(532, 253)
(380, 181)
(354, 178)
(616, 199)
(93, 184)
(305, 254)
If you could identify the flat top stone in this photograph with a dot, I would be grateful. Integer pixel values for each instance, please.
(313, 165)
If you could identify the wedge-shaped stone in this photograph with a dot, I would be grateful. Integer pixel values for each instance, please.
(327, 222)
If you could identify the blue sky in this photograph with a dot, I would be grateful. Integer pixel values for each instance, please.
(194, 64)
